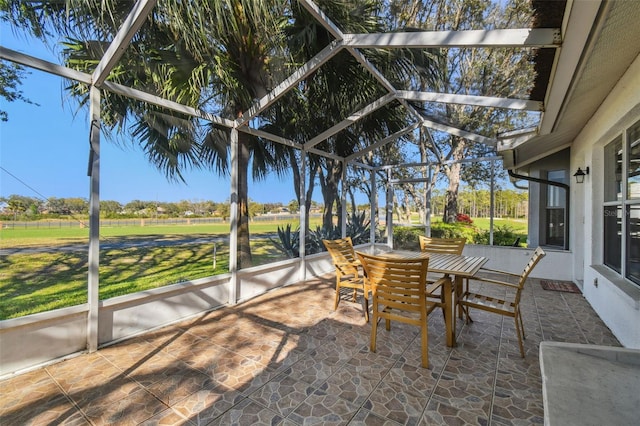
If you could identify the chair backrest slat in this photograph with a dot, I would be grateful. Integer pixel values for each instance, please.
(536, 257)
(441, 245)
(397, 283)
(342, 254)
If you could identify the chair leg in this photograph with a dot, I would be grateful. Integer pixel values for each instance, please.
(459, 292)
(521, 324)
(335, 306)
(355, 294)
(425, 344)
(465, 310)
(374, 331)
(365, 306)
(520, 333)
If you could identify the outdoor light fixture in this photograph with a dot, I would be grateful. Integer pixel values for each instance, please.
(581, 174)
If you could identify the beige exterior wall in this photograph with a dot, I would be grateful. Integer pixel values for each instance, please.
(616, 300)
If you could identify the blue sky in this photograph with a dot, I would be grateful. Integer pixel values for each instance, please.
(44, 148)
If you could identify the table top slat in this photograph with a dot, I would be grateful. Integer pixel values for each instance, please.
(454, 264)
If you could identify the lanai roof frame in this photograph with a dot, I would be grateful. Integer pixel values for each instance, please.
(532, 37)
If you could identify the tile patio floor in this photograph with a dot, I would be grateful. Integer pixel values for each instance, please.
(287, 358)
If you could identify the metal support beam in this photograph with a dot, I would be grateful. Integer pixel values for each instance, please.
(288, 142)
(311, 66)
(42, 65)
(492, 211)
(319, 15)
(379, 103)
(389, 210)
(343, 201)
(384, 141)
(71, 74)
(234, 282)
(303, 216)
(427, 219)
(165, 103)
(526, 37)
(373, 207)
(459, 132)
(372, 69)
(93, 285)
(463, 161)
(120, 42)
(483, 101)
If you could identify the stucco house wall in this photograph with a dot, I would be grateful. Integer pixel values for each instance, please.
(616, 300)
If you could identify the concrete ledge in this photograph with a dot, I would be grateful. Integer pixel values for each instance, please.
(589, 384)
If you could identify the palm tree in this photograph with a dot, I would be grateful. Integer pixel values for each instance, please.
(213, 55)
(340, 88)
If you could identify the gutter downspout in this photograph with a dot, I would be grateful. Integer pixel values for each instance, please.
(552, 183)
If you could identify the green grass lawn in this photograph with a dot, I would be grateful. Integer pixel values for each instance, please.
(30, 237)
(518, 225)
(38, 282)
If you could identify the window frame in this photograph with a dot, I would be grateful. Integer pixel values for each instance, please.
(623, 202)
(555, 201)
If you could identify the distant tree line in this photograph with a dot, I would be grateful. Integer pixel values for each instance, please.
(20, 207)
(476, 203)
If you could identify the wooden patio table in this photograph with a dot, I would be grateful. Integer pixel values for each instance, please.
(459, 266)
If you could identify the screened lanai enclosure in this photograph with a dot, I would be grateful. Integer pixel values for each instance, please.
(362, 107)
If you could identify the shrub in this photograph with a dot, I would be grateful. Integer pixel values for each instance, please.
(503, 235)
(463, 218)
(406, 237)
(453, 230)
(289, 240)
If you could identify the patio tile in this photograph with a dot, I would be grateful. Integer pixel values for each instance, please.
(282, 394)
(248, 412)
(524, 407)
(311, 370)
(351, 384)
(465, 393)
(179, 384)
(438, 413)
(205, 405)
(130, 410)
(324, 409)
(92, 377)
(34, 398)
(397, 402)
(288, 358)
(167, 417)
(367, 418)
(58, 411)
(32, 388)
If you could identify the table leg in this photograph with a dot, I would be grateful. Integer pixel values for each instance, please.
(449, 313)
(458, 289)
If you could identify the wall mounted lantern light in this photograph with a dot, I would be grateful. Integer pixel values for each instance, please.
(580, 174)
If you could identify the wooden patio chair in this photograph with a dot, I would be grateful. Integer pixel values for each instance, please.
(440, 245)
(348, 271)
(508, 306)
(399, 293)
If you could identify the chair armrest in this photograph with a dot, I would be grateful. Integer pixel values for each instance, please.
(347, 268)
(498, 271)
(497, 282)
(437, 284)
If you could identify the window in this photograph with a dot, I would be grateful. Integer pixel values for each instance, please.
(555, 211)
(622, 194)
